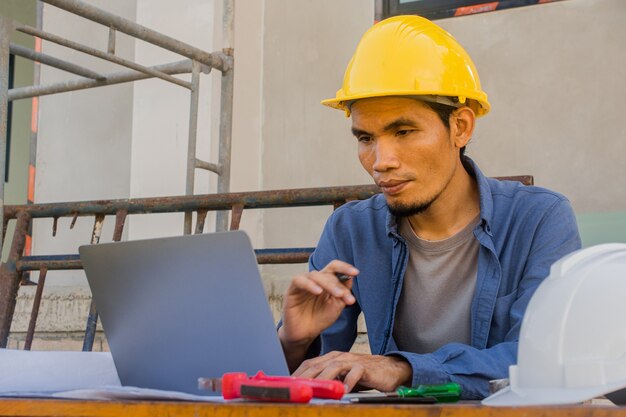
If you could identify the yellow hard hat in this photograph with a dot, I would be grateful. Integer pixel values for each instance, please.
(410, 56)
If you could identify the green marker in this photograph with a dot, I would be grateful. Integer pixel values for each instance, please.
(443, 393)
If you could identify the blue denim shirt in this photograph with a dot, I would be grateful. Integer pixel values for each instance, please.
(522, 231)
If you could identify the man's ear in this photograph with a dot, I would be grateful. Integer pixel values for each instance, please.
(462, 123)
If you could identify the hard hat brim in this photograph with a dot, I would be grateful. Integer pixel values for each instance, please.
(508, 397)
(340, 103)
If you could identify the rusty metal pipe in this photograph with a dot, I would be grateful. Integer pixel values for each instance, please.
(235, 217)
(51, 262)
(120, 220)
(92, 318)
(298, 197)
(9, 277)
(30, 333)
(69, 262)
(283, 256)
(90, 328)
(200, 219)
(250, 200)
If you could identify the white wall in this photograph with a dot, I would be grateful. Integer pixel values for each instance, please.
(84, 138)
(160, 114)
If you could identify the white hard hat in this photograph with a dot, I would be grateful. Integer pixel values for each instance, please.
(572, 344)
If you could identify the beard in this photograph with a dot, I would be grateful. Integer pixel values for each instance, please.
(407, 210)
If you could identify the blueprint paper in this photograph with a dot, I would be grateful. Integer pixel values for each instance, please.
(133, 393)
(53, 371)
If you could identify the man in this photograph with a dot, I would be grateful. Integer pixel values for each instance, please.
(445, 260)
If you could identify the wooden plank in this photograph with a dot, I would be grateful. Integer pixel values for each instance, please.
(74, 408)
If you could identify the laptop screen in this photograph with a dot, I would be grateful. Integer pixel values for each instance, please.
(179, 308)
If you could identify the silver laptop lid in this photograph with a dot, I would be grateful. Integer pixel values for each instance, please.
(175, 309)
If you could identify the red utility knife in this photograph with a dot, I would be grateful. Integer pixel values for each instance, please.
(263, 387)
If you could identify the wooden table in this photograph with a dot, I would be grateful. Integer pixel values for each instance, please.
(79, 408)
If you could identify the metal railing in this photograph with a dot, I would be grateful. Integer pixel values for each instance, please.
(11, 272)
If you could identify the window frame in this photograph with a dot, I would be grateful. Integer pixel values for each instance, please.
(440, 9)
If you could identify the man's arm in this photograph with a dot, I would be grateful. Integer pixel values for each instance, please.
(312, 303)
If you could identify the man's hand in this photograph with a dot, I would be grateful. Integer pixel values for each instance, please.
(311, 304)
(384, 373)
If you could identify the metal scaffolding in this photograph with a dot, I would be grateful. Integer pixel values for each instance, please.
(198, 61)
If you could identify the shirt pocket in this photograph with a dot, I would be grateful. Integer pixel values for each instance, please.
(501, 320)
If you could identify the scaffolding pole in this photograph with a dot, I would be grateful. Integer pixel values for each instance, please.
(191, 141)
(226, 110)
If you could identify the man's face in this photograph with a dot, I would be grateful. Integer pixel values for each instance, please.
(406, 148)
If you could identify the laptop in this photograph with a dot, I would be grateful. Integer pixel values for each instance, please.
(178, 308)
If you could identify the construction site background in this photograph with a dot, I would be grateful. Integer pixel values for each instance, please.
(554, 74)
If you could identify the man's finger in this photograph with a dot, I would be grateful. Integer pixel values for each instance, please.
(341, 267)
(311, 368)
(336, 369)
(353, 377)
(302, 282)
(329, 283)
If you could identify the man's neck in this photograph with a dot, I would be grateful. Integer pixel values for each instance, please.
(457, 205)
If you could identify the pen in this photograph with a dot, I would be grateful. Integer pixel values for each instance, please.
(343, 277)
(394, 400)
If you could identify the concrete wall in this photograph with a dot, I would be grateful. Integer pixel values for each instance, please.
(554, 74)
(306, 47)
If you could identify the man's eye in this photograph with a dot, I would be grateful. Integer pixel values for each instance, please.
(402, 132)
(364, 139)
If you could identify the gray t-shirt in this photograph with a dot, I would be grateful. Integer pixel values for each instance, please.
(439, 283)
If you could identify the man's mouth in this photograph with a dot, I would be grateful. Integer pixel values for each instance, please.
(392, 187)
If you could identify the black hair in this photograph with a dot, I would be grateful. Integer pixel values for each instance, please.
(444, 112)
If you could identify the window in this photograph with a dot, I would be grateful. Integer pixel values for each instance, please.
(437, 9)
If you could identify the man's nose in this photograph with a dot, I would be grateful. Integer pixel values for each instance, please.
(386, 155)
